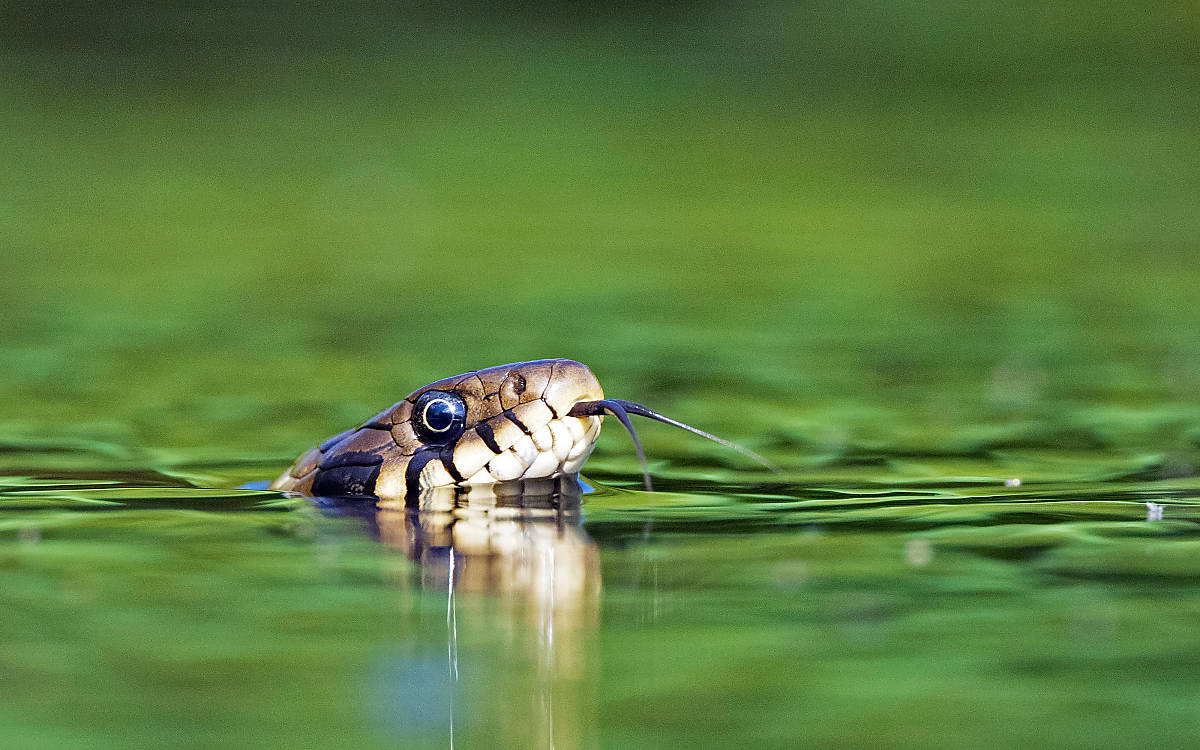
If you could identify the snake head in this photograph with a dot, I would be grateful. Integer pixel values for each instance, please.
(526, 420)
(497, 424)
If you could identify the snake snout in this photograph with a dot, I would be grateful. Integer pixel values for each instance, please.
(570, 383)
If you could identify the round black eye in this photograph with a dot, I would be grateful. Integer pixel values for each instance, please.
(439, 417)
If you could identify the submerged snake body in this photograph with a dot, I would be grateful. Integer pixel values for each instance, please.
(501, 423)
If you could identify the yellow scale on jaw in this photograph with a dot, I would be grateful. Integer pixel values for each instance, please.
(524, 420)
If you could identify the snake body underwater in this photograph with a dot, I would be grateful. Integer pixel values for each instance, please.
(525, 420)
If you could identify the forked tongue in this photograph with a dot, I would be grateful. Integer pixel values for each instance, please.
(621, 409)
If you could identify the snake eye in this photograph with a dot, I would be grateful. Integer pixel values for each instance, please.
(438, 417)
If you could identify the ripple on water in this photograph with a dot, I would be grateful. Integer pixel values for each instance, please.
(928, 586)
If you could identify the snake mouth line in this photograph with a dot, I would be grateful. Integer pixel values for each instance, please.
(621, 409)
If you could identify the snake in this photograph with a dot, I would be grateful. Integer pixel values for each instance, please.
(513, 422)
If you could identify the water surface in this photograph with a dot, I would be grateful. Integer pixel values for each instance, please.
(908, 251)
(144, 609)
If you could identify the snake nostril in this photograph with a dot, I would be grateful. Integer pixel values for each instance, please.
(511, 389)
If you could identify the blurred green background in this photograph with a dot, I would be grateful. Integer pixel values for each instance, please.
(225, 228)
(918, 246)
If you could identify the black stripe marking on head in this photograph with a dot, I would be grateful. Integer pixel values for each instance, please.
(412, 475)
(513, 418)
(346, 481)
(489, 437)
(448, 463)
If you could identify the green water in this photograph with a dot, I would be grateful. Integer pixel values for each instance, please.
(908, 251)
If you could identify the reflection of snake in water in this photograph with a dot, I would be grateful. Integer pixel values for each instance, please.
(475, 480)
(520, 421)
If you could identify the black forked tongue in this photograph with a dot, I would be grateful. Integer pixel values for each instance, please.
(621, 409)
